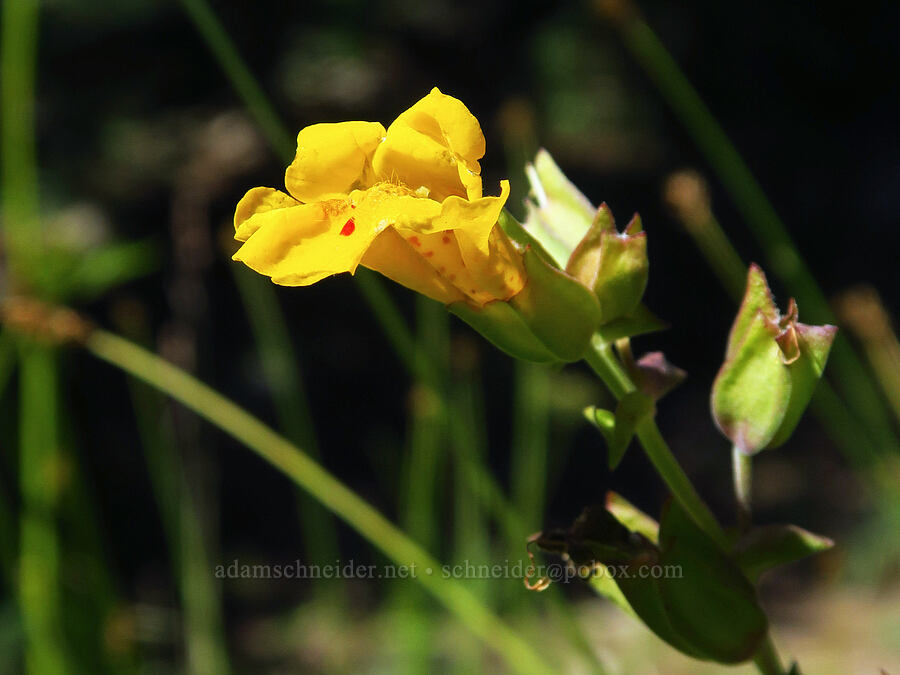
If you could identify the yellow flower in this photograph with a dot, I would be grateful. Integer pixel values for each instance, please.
(406, 202)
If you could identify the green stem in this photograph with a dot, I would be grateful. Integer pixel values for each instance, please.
(602, 360)
(767, 660)
(329, 491)
(742, 466)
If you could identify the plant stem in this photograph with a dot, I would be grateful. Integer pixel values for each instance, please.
(601, 358)
(767, 660)
(742, 465)
(333, 494)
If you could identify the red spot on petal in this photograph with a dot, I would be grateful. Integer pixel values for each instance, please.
(445, 239)
(353, 206)
(348, 228)
(428, 254)
(414, 241)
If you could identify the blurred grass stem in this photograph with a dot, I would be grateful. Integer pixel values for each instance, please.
(333, 494)
(782, 256)
(39, 475)
(281, 369)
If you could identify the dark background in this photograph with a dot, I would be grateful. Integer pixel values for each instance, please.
(807, 91)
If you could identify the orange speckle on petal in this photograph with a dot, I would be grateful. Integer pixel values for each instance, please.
(452, 277)
(428, 254)
(348, 228)
(445, 239)
(414, 241)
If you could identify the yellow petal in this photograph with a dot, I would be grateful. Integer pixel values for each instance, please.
(472, 219)
(398, 260)
(333, 159)
(303, 244)
(489, 255)
(467, 248)
(257, 200)
(437, 144)
(501, 272)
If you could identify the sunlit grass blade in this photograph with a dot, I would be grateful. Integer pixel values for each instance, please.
(333, 494)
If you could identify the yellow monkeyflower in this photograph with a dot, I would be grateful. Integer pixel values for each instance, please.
(406, 202)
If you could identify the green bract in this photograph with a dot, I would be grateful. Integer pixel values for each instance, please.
(612, 265)
(772, 364)
(567, 229)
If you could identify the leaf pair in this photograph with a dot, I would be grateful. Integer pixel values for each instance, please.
(675, 579)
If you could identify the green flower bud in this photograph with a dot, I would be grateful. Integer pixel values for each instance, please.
(614, 266)
(772, 364)
(583, 240)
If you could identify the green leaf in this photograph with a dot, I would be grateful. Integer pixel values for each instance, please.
(561, 312)
(701, 603)
(764, 548)
(618, 429)
(712, 605)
